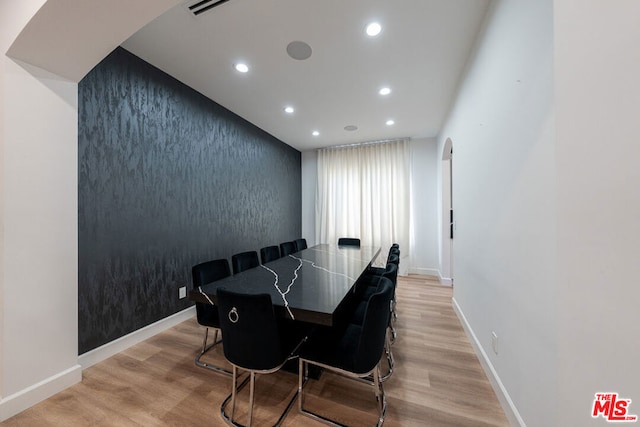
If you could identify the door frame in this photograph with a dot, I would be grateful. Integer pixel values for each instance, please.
(446, 249)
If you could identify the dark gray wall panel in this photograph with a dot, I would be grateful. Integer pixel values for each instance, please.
(167, 179)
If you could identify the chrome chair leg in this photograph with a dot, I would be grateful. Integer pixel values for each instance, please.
(380, 396)
(373, 380)
(204, 341)
(231, 398)
(390, 360)
(234, 391)
(205, 349)
(393, 333)
(392, 321)
(302, 379)
(252, 389)
(313, 415)
(390, 365)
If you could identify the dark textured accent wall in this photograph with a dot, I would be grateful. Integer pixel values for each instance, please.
(166, 179)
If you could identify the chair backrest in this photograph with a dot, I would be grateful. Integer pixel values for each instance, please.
(250, 335)
(374, 327)
(391, 273)
(269, 253)
(393, 259)
(210, 271)
(202, 274)
(348, 241)
(244, 261)
(301, 244)
(287, 248)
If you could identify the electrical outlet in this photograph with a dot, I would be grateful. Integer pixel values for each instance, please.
(182, 292)
(494, 342)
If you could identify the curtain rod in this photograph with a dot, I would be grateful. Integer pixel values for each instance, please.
(358, 144)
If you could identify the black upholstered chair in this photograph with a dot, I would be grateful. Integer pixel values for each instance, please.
(366, 286)
(348, 241)
(392, 258)
(207, 314)
(394, 251)
(252, 341)
(269, 253)
(301, 244)
(352, 351)
(287, 248)
(244, 261)
(374, 272)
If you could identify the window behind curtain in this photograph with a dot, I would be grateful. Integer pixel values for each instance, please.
(363, 191)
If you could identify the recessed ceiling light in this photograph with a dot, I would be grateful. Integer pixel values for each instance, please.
(390, 122)
(351, 128)
(385, 91)
(373, 29)
(315, 133)
(289, 109)
(241, 67)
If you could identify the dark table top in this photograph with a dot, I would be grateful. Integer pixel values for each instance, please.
(307, 285)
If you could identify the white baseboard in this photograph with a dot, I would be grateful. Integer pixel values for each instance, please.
(446, 281)
(424, 271)
(507, 404)
(26, 398)
(101, 353)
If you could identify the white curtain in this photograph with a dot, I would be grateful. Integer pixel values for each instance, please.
(363, 191)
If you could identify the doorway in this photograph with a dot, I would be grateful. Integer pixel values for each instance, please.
(448, 221)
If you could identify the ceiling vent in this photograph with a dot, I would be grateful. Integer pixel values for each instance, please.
(205, 5)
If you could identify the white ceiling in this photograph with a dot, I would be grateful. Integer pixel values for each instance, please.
(68, 38)
(420, 54)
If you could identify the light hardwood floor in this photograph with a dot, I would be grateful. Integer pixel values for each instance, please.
(438, 380)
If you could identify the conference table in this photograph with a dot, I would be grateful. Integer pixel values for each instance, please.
(307, 286)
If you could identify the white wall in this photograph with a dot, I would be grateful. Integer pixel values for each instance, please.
(502, 131)
(423, 256)
(423, 253)
(39, 218)
(545, 135)
(597, 64)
